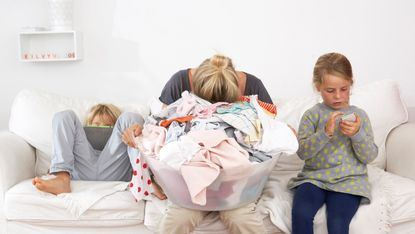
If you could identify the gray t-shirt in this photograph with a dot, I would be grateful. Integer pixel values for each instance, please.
(179, 82)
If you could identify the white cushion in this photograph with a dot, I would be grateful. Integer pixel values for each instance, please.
(381, 100)
(31, 118)
(402, 210)
(276, 201)
(383, 103)
(41, 206)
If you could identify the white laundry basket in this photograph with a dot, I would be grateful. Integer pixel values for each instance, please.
(232, 189)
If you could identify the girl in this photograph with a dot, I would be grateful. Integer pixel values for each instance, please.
(335, 151)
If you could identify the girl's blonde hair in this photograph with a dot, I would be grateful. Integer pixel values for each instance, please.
(333, 64)
(216, 80)
(108, 111)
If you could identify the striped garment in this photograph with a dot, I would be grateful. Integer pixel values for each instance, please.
(267, 106)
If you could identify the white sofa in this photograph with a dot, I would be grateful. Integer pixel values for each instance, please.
(106, 207)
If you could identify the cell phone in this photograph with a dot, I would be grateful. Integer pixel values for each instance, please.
(349, 117)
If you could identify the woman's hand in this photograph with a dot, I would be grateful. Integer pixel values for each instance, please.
(130, 133)
(331, 123)
(350, 128)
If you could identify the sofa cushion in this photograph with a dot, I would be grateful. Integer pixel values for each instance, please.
(383, 103)
(381, 100)
(402, 210)
(276, 202)
(118, 204)
(31, 118)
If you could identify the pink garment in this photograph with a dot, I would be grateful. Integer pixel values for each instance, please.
(187, 104)
(151, 140)
(191, 106)
(205, 112)
(218, 152)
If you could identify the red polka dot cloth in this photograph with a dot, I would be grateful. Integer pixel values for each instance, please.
(140, 185)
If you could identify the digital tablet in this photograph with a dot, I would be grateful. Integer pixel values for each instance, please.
(98, 136)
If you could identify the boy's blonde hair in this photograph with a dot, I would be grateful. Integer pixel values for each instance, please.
(333, 64)
(216, 80)
(108, 111)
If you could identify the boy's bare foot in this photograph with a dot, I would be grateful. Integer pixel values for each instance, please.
(158, 192)
(59, 184)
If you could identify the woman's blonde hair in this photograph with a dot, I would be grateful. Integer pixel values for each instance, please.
(108, 111)
(333, 64)
(216, 80)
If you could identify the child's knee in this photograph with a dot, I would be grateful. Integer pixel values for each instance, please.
(130, 117)
(62, 116)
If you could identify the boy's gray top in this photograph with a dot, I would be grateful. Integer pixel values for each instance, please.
(337, 163)
(179, 82)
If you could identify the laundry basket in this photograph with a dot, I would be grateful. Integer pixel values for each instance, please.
(232, 189)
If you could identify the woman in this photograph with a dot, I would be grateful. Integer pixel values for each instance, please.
(215, 80)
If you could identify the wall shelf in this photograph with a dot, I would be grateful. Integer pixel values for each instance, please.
(47, 46)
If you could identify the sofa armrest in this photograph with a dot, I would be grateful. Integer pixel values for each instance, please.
(17, 160)
(400, 150)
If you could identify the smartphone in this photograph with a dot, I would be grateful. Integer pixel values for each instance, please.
(349, 117)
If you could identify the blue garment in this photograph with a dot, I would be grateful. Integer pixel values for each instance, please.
(340, 209)
(175, 131)
(235, 108)
(74, 154)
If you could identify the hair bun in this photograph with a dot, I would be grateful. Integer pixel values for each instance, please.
(221, 61)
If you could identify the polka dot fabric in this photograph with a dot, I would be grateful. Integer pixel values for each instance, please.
(140, 185)
(337, 163)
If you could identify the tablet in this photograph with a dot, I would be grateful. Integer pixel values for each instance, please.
(98, 136)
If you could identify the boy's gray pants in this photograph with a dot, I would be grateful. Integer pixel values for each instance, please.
(73, 153)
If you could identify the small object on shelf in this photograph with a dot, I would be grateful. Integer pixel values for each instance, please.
(60, 14)
(45, 46)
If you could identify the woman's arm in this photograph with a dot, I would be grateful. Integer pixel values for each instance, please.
(174, 87)
(254, 86)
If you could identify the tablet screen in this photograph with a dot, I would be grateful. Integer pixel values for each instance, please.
(98, 136)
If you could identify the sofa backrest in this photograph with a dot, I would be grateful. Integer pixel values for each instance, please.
(31, 118)
(381, 100)
(32, 112)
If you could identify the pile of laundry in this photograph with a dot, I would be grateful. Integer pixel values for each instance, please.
(200, 140)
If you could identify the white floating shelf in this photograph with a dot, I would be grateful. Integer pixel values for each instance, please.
(48, 46)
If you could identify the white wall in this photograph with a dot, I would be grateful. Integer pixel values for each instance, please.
(131, 47)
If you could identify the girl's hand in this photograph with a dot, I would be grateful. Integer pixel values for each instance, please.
(350, 128)
(130, 133)
(331, 123)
